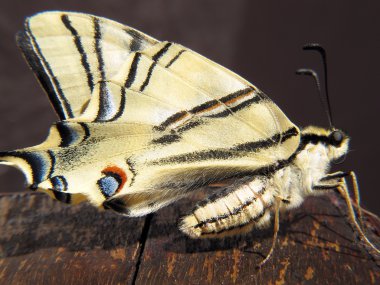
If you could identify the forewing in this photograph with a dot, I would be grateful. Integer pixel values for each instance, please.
(216, 110)
(71, 52)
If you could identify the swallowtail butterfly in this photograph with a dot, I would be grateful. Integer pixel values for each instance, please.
(144, 123)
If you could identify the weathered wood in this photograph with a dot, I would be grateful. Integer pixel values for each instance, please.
(45, 242)
(316, 245)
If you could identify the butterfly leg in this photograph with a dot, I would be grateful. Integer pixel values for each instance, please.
(343, 191)
(337, 177)
(232, 210)
(277, 203)
(355, 185)
(331, 181)
(342, 188)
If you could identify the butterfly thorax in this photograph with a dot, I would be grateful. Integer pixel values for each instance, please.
(318, 149)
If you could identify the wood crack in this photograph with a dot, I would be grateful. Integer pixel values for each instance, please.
(142, 242)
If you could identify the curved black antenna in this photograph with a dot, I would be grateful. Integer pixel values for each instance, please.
(322, 52)
(312, 73)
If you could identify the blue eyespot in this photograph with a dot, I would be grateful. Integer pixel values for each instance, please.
(109, 184)
(113, 180)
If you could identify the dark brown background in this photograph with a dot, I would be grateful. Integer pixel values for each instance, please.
(260, 41)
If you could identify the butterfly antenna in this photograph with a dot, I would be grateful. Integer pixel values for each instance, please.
(325, 100)
(312, 73)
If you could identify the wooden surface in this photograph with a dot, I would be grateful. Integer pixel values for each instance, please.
(45, 242)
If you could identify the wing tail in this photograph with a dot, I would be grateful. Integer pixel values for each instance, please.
(81, 161)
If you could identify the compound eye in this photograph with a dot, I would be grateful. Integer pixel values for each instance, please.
(336, 137)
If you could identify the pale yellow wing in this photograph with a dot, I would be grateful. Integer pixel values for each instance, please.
(161, 122)
(71, 52)
(200, 136)
(76, 156)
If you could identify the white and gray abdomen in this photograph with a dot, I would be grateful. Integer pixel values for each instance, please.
(250, 204)
(232, 210)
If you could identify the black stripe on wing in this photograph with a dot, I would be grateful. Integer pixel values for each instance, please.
(105, 101)
(149, 75)
(226, 100)
(264, 144)
(86, 130)
(52, 162)
(106, 104)
(161, 52)
(236, 151)
(167, 139)
(136, 41)
(44, 73)
(121, 109)
(228, 105)
(98, 48)
(68, 135)
(40, 165)
(133, 70)
(173, 118)
(78, 43)
(156, 57)
(174, 59)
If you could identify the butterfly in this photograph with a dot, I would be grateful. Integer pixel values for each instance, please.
(144, 123)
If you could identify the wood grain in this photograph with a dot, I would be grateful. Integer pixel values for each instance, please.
(45, 242)
(316, 245)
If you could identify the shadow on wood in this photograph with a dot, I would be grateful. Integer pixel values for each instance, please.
(45, 242)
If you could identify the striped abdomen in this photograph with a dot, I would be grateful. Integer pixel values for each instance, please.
(231, 211)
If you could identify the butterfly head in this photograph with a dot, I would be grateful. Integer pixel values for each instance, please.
(335, 142)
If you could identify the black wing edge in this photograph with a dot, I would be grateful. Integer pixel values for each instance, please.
(25, 43)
